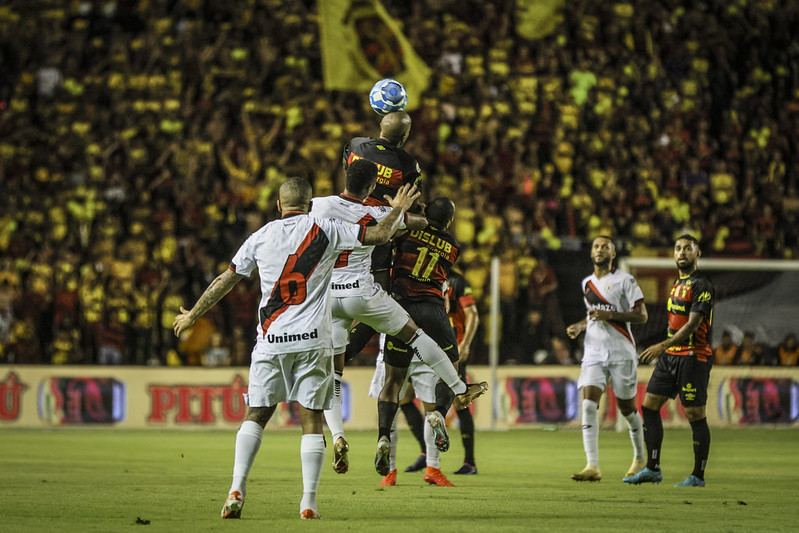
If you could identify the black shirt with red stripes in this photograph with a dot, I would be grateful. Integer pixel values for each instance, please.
(394, 166)
(423, 261)
(691, 294)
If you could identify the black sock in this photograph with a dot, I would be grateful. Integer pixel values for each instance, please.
(360, 336)
(467, 434)
(415, 422)
(444, 398)
(386, 411)
(653, 437)
(701, 434)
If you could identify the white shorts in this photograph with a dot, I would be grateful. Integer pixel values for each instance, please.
(379, 310)
(623, 377)
(302, 377)
(420, 376)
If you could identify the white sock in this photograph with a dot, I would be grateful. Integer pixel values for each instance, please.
(433, 455)
(333, 415)
(248, 441)
(636, 425)
(434, 357)
(392, 454)
(591, 432)
(312, 454)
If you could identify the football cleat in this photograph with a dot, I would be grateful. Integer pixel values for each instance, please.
(466, 469)
(310, 514)
(588, 474)
(691, 481)
(419, 464)
(473, 392)
(637, 466)
(382, 465)
(389, 480)
(233, 505)
(646, 475)
(341, 460)
(439, 425)
(434, 476)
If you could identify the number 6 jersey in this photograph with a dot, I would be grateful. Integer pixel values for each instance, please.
(295, 257)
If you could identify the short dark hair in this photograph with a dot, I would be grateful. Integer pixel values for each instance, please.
(688, 237)
(440, 211)
(360, 175)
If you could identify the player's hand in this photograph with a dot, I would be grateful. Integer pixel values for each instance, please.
(182, 322)
(652, 353)
(599, 314)
(574, 330)
(406, 195)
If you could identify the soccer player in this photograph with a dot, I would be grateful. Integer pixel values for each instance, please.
(613, 301)
(422, 264)
(395, 167)
(356, 296)
(464, 317)
(683, 367)
(292, 359)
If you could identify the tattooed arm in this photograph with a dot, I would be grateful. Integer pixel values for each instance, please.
(215, 292)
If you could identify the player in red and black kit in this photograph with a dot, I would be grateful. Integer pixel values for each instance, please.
(422, 264)
(394, 168)
(463, 314)
(684, 368)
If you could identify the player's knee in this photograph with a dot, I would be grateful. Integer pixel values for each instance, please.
(695, 414)
(260, 415)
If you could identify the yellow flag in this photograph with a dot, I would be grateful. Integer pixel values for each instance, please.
(362, 44)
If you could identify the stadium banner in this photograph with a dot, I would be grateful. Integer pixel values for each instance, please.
(361, 43)
(197, 398)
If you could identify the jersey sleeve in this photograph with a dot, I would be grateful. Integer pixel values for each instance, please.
(702, 297)
(243, 263)
(380, 212)
(633, 292)
(343, 235)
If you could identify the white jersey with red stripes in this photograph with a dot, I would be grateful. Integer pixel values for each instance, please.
(294, 257)
(352, 274)
(610, 340)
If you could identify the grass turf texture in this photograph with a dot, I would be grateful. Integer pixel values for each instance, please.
(92, 480)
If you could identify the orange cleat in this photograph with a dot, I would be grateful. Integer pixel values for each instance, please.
(310, 514)
(233, 505)
(434, 476)
(389, 480)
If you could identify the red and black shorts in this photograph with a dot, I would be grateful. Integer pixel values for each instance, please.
(681, 374)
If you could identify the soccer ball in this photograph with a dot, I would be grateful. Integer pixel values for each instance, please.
(388, 96)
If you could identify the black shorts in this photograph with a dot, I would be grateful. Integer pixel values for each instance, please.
(432, 318)
(681, 374)
(381, 257)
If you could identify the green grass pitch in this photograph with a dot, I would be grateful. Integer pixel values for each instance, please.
(103, 480)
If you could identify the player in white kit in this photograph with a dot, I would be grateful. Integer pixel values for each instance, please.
(292, 359)
(356, 296)
(613, 301)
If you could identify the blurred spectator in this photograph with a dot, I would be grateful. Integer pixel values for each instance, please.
(789, 351)
(749, 352)
(725, 353)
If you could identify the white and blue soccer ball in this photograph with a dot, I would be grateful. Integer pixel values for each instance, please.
(388, 96)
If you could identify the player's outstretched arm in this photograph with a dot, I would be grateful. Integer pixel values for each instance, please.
(217, 290)
(381, 233)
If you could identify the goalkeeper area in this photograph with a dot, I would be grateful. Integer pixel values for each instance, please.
(105, 480)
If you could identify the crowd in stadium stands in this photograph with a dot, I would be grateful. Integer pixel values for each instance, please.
(141, 139)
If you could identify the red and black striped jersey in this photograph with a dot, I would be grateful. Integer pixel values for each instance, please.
(394, 166)
(459, 297)
(691, 294)
(422, 263)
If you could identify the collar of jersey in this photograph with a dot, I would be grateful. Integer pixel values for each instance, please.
(288, 214)
(350, 198)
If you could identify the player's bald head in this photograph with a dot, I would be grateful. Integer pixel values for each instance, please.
(395, 127)
(294, 195)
